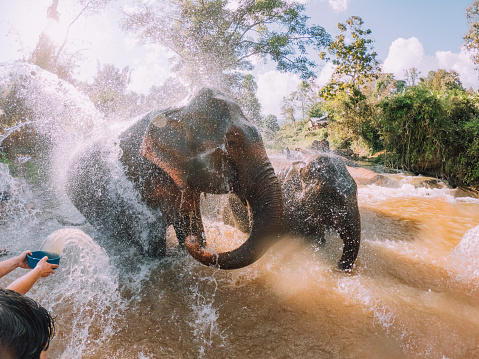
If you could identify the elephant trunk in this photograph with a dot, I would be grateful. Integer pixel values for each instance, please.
(263, 193)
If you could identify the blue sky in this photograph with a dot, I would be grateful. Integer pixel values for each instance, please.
(426, 34)
(438, 24)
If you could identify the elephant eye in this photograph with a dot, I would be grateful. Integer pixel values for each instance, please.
(231, 143)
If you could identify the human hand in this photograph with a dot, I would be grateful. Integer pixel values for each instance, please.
(44, 269)
(22, 261)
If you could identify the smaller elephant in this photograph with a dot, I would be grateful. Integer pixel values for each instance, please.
(317, 193)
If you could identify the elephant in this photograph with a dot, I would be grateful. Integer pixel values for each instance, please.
(317, 193)
(152, 174)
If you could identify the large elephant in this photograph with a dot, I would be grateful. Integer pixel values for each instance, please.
(317, 193)
(154, 174)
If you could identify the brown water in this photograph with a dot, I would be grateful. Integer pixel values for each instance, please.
(414, 292)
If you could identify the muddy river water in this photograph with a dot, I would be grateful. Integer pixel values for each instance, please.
(414, 292)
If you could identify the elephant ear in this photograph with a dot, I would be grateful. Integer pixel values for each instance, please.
(165, 145)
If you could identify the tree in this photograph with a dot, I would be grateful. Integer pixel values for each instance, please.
(108, 90)
(306, 96)
(165, 95)
(270, 127)
(213, 41)
(471, 39)
(301, 100)
(442, 80)
(412, 75)
(356, 69)
(287, 108)
(355, 61)
(316, 110)
(436, 135)
(271, 123)
(246, 98)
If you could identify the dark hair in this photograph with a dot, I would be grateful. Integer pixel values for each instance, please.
(26, 328)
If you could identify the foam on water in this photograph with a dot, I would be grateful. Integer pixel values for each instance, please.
(464, 259)
(374, 193)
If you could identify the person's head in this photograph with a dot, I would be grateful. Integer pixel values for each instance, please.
(26, 328)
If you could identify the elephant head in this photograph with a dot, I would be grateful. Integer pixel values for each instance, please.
(208, 146)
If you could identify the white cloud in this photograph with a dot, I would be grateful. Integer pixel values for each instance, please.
(404, 54)
(407, 53)
(338, 5)
(325, 74)
(462, 63)
(272, 87)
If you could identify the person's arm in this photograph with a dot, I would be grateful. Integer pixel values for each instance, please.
(23, 284)
(8, 265)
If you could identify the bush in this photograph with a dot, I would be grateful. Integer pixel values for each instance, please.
(431, 133)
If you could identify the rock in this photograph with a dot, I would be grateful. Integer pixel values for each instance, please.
(363, 176)
(465, 192)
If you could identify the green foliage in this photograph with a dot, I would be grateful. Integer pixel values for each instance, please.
(316, 110)
(355, 61)
(299, 102)
(287, 108)
(412, 76)
(3, 158)
(108, 91)
(469, 158)
(353, 125)
(294, 135)
(442, 80)
(214, 40)
(245, 95)
(433, 134)
(410, 125)
(271, 123)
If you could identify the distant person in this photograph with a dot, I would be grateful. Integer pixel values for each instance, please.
(288, 153)
(26, 328)
(23, 284)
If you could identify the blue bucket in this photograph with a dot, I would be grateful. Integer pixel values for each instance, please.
(36, 256)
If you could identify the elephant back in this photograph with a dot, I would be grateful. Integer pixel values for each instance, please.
(329, 171)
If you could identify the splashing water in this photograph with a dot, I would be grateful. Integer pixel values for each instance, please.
(464, 261)
(87, 285)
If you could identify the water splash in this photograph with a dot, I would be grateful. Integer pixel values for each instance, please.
(86, 283)
(464, 260)
(205, 326)
(18, 205)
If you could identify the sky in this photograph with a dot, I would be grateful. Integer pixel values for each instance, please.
(426, 34)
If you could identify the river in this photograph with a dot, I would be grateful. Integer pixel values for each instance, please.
(414, 292)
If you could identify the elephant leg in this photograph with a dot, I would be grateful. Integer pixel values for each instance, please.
(350, 232)
(236, 214)
(181, 230)
(157, 249)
